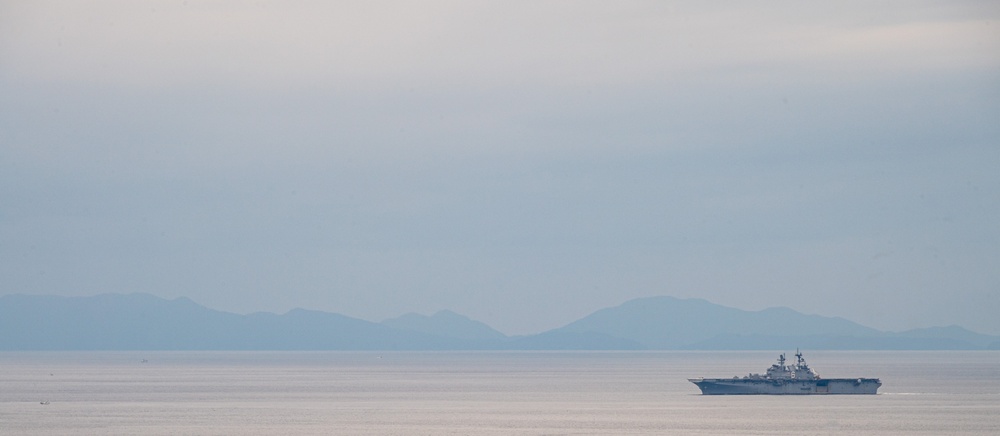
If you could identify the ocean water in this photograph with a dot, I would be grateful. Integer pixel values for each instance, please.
(482, 393)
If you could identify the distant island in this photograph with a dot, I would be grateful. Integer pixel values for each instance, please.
(147, 322)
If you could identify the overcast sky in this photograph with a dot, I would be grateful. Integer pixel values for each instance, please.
(524, 163)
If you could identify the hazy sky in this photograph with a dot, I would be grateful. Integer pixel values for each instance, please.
(523, 163)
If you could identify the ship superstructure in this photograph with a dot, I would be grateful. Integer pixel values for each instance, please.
(781, 379)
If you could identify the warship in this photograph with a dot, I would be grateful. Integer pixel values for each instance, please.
(781, 379)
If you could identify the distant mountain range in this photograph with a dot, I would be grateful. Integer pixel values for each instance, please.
(146, 322)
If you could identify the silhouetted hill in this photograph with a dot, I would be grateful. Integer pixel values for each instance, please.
(110, 322)
(959, 337)
(666, 323)
(140, 321)
(145, 322)
(671, 323)
(446, 324)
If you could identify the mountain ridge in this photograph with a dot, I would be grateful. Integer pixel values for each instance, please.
(143, 321)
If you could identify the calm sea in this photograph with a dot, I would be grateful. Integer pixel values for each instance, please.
(482, 393)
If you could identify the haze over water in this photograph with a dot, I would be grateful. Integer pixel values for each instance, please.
(482, 393)
(520, 163)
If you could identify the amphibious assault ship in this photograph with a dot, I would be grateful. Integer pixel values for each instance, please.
(781, 379)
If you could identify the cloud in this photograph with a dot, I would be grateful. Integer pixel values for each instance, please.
(380, 157)
(486, 45)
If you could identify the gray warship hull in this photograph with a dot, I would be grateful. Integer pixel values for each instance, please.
(832, 386)
(782, 379)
